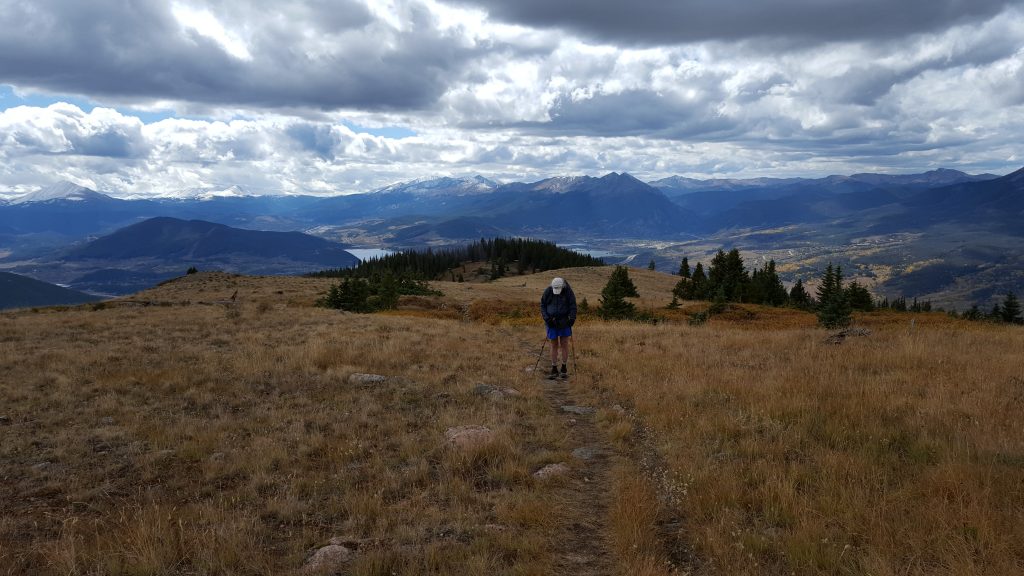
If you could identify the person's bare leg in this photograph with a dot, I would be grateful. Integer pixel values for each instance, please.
(564, 342)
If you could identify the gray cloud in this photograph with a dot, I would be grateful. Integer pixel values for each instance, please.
(637, 113)
(315, 54)
(654, 22)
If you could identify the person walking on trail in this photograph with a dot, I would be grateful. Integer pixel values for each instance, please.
(558, 308)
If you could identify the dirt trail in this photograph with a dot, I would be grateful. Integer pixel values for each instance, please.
(583, 546)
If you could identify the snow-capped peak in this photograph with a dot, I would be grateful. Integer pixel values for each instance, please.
(443, 186)
(210, 193)
(67, 191)
(559, 184)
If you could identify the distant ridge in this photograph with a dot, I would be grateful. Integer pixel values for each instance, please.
(171, 239)
(17, 291)
(61, 192)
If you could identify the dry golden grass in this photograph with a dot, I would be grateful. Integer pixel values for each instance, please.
(205, 439)
(898, 453)
(190, 437)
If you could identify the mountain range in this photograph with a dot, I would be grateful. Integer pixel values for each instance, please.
(140, 255)
(944, 233)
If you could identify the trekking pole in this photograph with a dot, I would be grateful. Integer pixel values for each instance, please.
(572, 348)
(539, 355)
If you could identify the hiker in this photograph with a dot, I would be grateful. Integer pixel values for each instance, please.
(558, 308)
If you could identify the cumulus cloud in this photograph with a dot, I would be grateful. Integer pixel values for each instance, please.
(276, 93)
(66, 129)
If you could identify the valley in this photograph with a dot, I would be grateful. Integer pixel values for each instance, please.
(944, 236)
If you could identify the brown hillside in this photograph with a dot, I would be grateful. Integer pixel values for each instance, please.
(180, 431)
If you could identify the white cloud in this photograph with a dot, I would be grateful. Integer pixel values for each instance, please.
(276, 91)
(204, 23)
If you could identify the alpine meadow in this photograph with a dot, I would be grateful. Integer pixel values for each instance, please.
(511, 288)
(178, 431)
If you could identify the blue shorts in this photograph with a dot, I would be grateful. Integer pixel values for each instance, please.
(558, 332)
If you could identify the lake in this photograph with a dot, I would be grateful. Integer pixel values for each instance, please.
(367, 253)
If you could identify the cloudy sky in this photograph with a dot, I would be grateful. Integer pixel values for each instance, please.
(146, 97)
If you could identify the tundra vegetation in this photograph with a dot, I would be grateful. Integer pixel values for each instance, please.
(180, 431)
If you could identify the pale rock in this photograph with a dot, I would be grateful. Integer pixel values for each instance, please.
(494, 392)
(552, 471)
(468, 437)
(329, 559)
(366, 379)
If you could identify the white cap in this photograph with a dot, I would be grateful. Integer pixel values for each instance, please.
(556, 285)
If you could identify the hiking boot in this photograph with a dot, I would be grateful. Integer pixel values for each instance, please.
(554, 373)
(565, 373)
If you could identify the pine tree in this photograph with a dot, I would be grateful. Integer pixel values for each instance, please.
(718, 303)
(684, 268)
(798, 295)
(828, 285)
(652, 266)
(765, 287)
(859, 297)
(699, 283)
(833, 306)
(683, 289)
(620, 276)
(613, 297)
(727, 272)
(352, 294)
(1010, 311)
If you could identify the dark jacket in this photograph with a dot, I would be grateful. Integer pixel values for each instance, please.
(558, 310)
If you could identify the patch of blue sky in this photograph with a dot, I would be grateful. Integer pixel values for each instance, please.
(396, 132)
(9, 98)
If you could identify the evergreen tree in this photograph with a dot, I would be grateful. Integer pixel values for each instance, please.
(684, 268)
(827, 288)
(385, 293)
(352, 294)
(859, 297)
(613, 296)
(1010, 311)
(833, 306)
(798, 295)
(765, 287)
(683, 289)
(996, 313)
(620, 276)
(652, 266)
(699, 283)
(718, 303)
(973, 313)
(727, 272)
